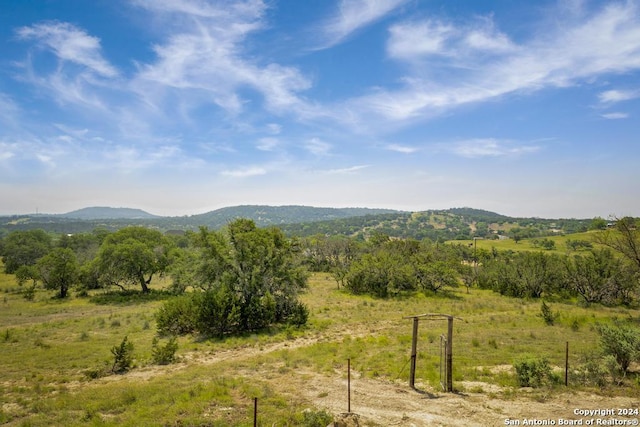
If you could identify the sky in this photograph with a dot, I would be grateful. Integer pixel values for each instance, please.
(179, 107)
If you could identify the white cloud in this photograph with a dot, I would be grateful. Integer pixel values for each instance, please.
(488, 147)
(202, 61)
(347, 171)
(244, 172)
(487, 38)
(401, 148)
(417, 39)
(203, 9)
(70, 43)
(607, 41)
(615, 115)
(267, 143)
(613, 96)
(353, 15)
(80, 73)
(7, 150)
(317, 146)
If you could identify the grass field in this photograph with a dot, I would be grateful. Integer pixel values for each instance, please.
(527, 244)
(53, 354)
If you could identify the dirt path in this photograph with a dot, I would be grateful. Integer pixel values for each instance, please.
(384, 403)
(379, 402)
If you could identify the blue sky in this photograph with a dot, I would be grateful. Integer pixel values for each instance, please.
(183, 106)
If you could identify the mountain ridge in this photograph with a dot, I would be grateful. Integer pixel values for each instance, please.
(299, 220)
(107, 212)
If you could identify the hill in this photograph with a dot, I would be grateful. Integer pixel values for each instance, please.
(101, 212)
(441, 225)
(87, 219)
(278, 215)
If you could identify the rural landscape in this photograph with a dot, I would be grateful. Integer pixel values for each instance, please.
(345, 213)
(301, 316)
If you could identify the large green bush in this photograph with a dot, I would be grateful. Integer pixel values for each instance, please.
(178, 316)
(622, 342)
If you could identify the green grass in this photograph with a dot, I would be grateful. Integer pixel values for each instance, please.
(53, 354)
(527, 245)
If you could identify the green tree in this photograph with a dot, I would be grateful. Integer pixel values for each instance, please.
(436, 276)
(381, 273)
(598, 223)
(122, 356)
(598, 277)
(623, 238)
(522, 274)
(59, 270)
(133, 255)
(24, 248)
(246, 278)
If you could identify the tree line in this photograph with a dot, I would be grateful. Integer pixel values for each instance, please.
(605, 270)
(243, 277)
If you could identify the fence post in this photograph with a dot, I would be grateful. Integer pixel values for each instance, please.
(255, 412)
(349, 386)
(566, 365)
(414, 353)
(449, 353)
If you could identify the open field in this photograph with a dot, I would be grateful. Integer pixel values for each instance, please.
(51, 352)
(527, 244)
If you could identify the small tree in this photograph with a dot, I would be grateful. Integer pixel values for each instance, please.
(164, 354)
(548, 315)
(123, 356)
(58, 270)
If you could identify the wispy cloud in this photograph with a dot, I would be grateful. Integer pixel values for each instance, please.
(317, 147)
(615, 115)
(417, 40)
(401, 148)
(203, 59)
(80, 71)
(347, 171)
(244, 172)
(614, 96)
(70, 43)
(9, 111)
(353, 15)
(479, 63)
(488, 147)
(268, 143)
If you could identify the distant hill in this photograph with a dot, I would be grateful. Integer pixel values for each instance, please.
(278, 215)
(437, 225)
(100, 212)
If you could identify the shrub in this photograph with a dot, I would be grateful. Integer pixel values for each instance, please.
(164, 354)
(177, 316)
(621, 342)
(595, 370)
(316, 418)
(532, 371)
(547, 314)
(299, 315)
(123, 356)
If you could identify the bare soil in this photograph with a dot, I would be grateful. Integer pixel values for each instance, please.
(381, 402)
